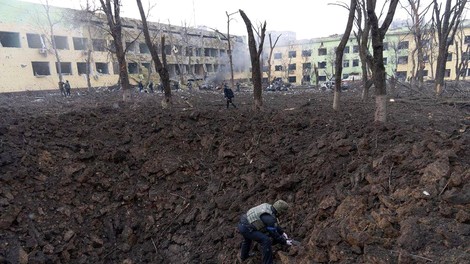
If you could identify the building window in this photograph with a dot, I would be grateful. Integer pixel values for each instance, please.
(292, 67)
(306, 78)
(401, 75)
(322, 65)
(306, 53)
(35, 41)
(449, 56)
(81, 68)
(385, 60)
(321, 78)
(147, 66)
(65, 68)
(355, 49)
(345, 76)
(385, 45)
(466, 40)
(447, 73)
(61, 43)
(425, 58)
(99, 44)
(189, 51)
(346, 49)
(10, 39)
(306, 66)
(102, 67)
(292, 79)
(403, 60)
(278, 68)
(40, 68)
(322, 52)
(403, 45)
(292, 54)
(424, 73)
(346, 63)
(355, 62)
(143, 48)
(277, 56)
(132, 68)
(80, 43)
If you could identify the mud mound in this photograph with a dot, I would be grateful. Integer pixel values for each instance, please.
(93, 180)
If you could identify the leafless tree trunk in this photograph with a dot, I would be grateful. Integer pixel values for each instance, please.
(229, 51)
(160, 66)
(315, 72)
(271, 46)
(378, 69)
(362, 38)
(339, 54)
(461, 55)
(255, 54)
(446, 24)
(112, 10)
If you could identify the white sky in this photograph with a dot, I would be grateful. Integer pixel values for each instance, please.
(308, 18)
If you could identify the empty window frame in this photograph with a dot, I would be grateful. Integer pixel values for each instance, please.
(307, 66)
(355, 63)
(346, 49)
(222, 53)
(346, 63)
(292, 79)
(143, 48)
(65, 68)
(322, 52)
(61, 43)
(401, 75)
(447, 73)
(355, 49)
(306, 78)
(321, 78)
(81, 68)
(189, 51)
(41, 68)
(277, 56)
(449, 56)
(80, 43)
(467, 39)
(130, 47)
(292, 67)
(133, 68)
(278, 68)
(147, 66)
(403, 45)
(35, 41)
(385, 45)
(10, 39)
(102, 67)
(99, 44)
(306, 53)
(292, 54)
(385, 60)
(322, 64)
(403, 60)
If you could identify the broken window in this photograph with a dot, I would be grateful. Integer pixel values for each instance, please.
(346, 63)
(222, 53)
(115, 68)
(466, 40)
(278, 68)
(40, 68)
(425, 58)
(449, 56)
(385, 45)
(385, 61)
(189, 51)
(167, 49)
(277, 56)
(130, 47)
(112, 46)
(209, 68)
(403, 45)
(144, 48)
(292, 54)
(322, 52)
(147, 66)
(65, 68)
(292, 79)
(306, 53)
(403, 60)
(35, 41)
(355, 62)
(133, 68)
(355, 49)
(401, 75)
(447, 73)
(307, 66)
(306, 78)
(81, 68)
(102, 67)
(214, 53)
(292, 67)
(80, 43)
(207, 52)
(99, 44)
(10, 39)
(322, 64)
(424, 73)
(61, 43)
(198, 52)
(265, 68)
(321, 78)
(346, 49)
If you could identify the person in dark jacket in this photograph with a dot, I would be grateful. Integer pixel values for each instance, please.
(228, 94)
(67, 88)
(260, 224)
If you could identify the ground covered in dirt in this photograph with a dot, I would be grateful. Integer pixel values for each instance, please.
(90, 179)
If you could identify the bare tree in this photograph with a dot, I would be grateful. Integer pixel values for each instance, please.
(462, 55)
(271, 46)
(112, 10)
(362, 38)
(446, 23)
(255, 54)
(340, 52)
(160, 66)
(378, 68)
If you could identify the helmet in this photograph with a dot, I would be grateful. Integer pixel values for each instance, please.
(281, 206)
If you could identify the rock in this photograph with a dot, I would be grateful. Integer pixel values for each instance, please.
(378, 255)
(435, 171)
(9, 216)
(68, 235)
(463, 216)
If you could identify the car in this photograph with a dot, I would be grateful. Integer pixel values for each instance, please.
(329, 85)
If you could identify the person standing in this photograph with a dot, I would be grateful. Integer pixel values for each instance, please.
(62, 88)
(141, 86)
(238, 86)
(67, 88)
(260, 224)
(150, 85)
(228, 94)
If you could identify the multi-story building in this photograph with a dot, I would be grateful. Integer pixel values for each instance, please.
(295, 61)
(29, 60)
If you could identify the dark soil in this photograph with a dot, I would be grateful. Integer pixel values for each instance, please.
(90, 179)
